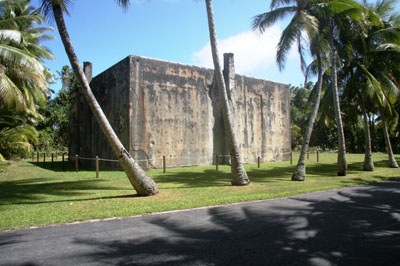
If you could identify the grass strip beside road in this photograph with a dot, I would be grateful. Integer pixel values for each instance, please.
(33, 194)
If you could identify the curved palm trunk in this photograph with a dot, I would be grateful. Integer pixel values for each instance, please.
(143, 184)
(392, 159)
(300, 172)
(342, 162)
(239, 175)
(368, 162)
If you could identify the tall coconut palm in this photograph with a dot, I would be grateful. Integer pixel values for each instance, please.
(141, 182)
(302, 20)
(239, 175)
(332, 17)
(342, 161)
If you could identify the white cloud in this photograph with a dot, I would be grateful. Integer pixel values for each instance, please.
(253, 51)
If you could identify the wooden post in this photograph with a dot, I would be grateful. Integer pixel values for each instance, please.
(258, 161)
(317, 156)
(216, 161)
(76, 163)
(37, 156)
(97, 166)
(164, 162)
(291, 157)
(52, 160)
(63, 162)
(44, 157)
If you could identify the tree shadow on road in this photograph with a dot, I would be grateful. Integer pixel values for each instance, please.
(358, 228)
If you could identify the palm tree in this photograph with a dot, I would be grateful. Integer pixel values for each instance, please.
(369, 69)
(392, 160)
(239, 175)
(23, 79)
(302, 20)
(333, 16)
(141, 182)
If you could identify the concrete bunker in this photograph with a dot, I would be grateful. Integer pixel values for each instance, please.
(158, 108)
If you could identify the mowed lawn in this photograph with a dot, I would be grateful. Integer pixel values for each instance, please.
(33, 194)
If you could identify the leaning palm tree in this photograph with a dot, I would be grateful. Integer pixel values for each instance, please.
(302, 21)
(141, 182)
(239, 175)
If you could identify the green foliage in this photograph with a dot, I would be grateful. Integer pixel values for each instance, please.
(23, 78)
(53, 129)
(299, 113)
(15, 141)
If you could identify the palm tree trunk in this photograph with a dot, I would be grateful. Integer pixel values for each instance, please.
(342, 162)
(392, 159)
(239, 175)
(368, 162)
(300, 172)
(142, 183)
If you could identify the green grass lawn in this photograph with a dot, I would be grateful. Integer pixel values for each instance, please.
(35, 195)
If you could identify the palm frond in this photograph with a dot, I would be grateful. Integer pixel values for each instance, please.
(263, 21)
(289, 35)
(12, 36)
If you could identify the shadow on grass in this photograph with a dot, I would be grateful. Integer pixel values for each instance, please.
(69, 166)
(351, 227)
(209, 177)
(193, 179)
(36, 190)
(31, 191)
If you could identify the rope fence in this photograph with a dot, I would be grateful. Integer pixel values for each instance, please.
(165, 160)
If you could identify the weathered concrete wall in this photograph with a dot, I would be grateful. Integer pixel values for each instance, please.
(159, 108)
(111, 89)
(171, 113)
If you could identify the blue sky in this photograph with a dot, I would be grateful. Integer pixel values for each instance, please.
(173, 30)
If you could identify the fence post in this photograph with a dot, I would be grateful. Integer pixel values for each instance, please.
(37, 156)
(291, 157)
(63, 162)
(164, 164)
(76, 163)
(317, 156)
(44, 157)
(52, 160)
(216, 161)
(258, 161)
(97, 166)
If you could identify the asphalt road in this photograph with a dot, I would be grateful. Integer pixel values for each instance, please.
(350, 226)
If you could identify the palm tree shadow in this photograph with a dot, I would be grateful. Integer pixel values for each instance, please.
(34, 190)
(358, 228)
(190, 179)
(70, 166)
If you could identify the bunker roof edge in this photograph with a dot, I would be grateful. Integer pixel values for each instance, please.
(182, 64)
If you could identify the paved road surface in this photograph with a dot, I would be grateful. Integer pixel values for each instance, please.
(350, 226)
